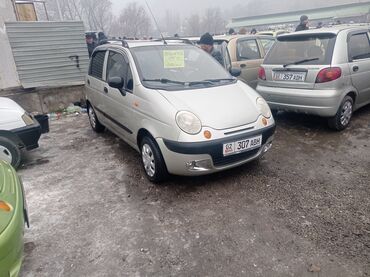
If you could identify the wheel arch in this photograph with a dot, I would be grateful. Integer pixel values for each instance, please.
(13, 137)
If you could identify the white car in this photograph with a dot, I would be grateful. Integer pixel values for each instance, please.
(18, 130)
(177, 106)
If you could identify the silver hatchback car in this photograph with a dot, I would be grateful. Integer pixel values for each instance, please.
(177, 106)
(323, 72)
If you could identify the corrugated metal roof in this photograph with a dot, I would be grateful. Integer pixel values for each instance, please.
(45, 52)
(341, 11)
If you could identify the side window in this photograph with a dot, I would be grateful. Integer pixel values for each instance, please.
(359, 47)
(248, 50)
(96, 64)
(118, 67)
(267, 44)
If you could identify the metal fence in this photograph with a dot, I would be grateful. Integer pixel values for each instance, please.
(49, 53)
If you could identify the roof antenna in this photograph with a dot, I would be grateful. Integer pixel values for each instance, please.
(156, 23)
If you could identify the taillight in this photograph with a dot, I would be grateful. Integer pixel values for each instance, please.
(262, 73)
(328, 74)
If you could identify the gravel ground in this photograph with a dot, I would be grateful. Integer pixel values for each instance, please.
(303, 210)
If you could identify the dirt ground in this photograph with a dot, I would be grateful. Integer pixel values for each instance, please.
(303, 210)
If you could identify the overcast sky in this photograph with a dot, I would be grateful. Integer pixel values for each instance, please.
(186, 7)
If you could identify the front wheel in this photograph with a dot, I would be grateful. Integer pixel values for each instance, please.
(344, 114)
(152, 160)
(10, 152)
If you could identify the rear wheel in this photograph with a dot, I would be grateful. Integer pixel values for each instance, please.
(94, 121)
(152, 160)
(343, 117)
(10, 152)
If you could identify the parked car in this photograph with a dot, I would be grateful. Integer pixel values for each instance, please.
(247, 53)
(273, 33)
(177, 106)
(13, 215)
(18, 130)
(323, 72)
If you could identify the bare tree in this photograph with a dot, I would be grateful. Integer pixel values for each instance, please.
(193, 25)
(213, 21)
(171, 23)
(133, 21)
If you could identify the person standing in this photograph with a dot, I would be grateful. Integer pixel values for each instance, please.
(206, 43)
(303, 25)
(90, 43)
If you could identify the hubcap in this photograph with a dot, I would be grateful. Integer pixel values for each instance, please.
(346, 113)
(5, 154)
(92, 117)
(148, 160)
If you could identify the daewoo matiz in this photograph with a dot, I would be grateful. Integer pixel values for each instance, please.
(177, 106)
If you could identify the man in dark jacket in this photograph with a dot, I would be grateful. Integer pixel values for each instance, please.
(102, 38)
(206, 43)
(90, 42)
(303, 25)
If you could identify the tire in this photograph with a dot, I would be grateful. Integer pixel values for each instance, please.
(10, 152)
(152, 160)
(94, 121)
(344, 114)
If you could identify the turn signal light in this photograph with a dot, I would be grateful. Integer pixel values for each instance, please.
(207, 134)
(328, 74)
(5, 206)
(264, 121)
(262, 73)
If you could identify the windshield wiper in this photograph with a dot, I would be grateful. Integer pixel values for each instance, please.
(164, 81)
(221, 79)
(302, 61)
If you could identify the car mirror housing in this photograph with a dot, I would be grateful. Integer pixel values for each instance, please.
(235, 72)
(116, 82)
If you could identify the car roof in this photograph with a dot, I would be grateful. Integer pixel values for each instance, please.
(141, 43)
(331, 30)
(231, 37)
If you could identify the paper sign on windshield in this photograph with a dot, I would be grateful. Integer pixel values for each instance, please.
(174, 58)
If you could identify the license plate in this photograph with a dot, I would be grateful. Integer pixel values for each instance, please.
(290, 76)
(240, 146)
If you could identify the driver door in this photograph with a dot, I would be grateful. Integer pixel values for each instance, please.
(118, 100)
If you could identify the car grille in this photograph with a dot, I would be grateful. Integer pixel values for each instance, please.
(222, 161)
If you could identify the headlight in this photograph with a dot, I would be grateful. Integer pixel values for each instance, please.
(263, 107)
(27, 119)
(188, 122)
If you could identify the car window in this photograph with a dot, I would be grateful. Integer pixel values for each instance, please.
(359, 47)
(248, 50)
(96, 64)
(117, 66)
(267, 44)
(315, 49)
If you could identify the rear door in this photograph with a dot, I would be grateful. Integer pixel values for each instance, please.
(95, 83)
(249, 59)
(295, 61)
(359, 62)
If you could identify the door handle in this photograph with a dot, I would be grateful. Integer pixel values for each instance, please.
(243, 65)
(355, 68)
(105, 90)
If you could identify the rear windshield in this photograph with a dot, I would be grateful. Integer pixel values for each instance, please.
(315, 49)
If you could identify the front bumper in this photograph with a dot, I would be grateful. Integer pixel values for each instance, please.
(316, 102)
(201, 158)
(29, 135)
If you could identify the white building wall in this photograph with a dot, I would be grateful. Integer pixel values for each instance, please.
(8, 73)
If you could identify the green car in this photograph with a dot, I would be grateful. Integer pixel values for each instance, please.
(13, 215)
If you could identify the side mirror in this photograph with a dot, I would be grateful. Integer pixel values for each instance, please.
(235, 72)
(116, 82)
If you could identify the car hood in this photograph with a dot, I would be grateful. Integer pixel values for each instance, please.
(8, 104)
(220, 107)
(10, 114)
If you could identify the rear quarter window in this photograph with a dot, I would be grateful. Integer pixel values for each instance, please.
(96, 64)
(290, 49)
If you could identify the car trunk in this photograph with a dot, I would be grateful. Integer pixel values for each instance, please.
(296, 60)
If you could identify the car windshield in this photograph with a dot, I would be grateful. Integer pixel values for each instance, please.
(178, 67)
(312, 49)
